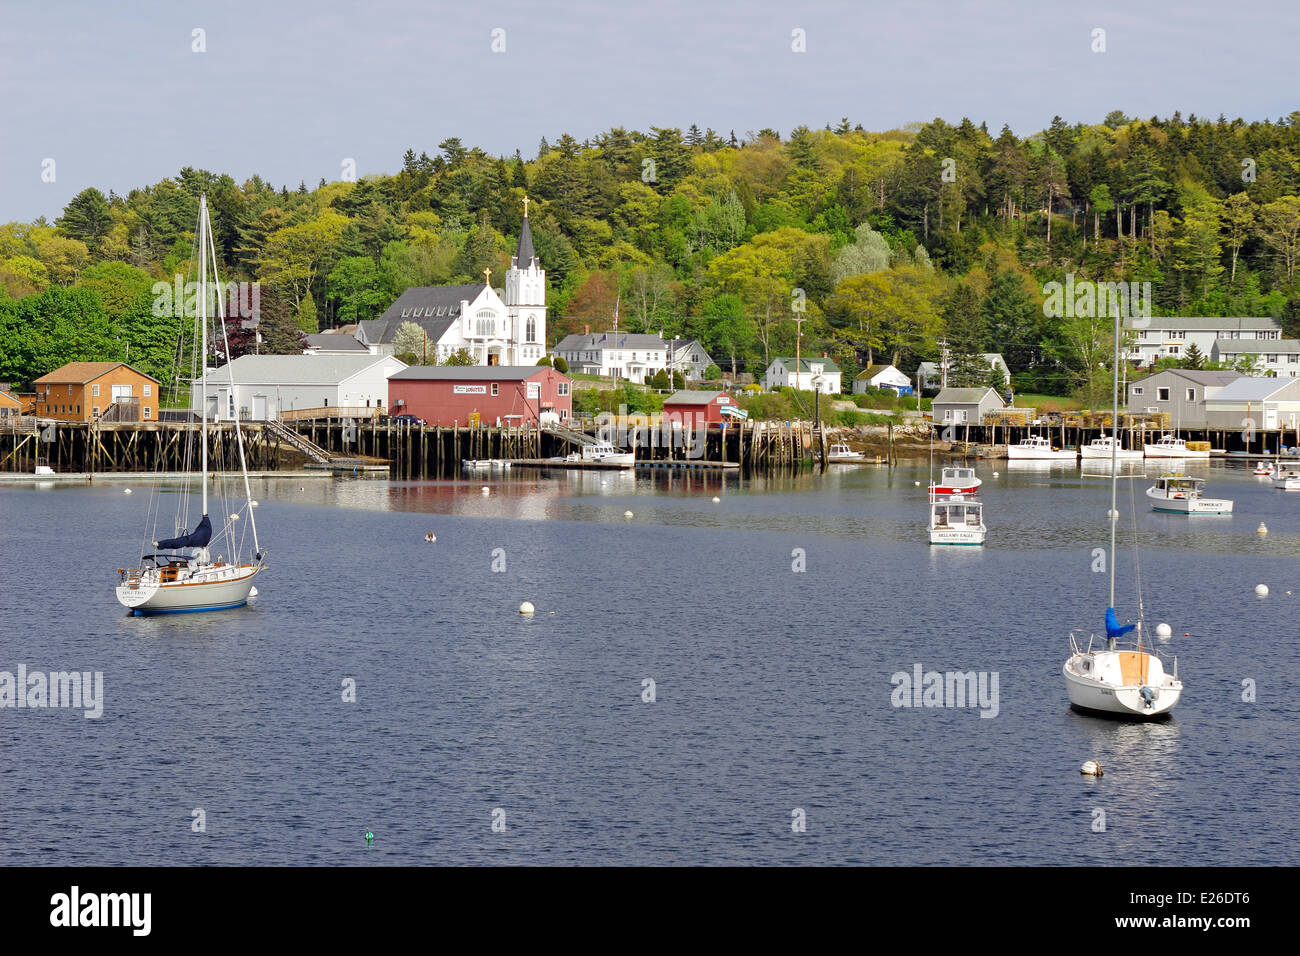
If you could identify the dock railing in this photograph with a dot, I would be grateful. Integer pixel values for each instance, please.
(331, 411)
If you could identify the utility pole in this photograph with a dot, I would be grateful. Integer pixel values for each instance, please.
(943, 363)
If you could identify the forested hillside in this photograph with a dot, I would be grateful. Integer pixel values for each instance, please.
(876, 243)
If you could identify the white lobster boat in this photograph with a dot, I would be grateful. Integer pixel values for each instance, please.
(1038, 448)
(955, 480)
(1109, 448)
(1182, 494)
(1286, 479)
(602, 453)
(182, 576)
(840, 452)
(1171, 446)
(956, 519)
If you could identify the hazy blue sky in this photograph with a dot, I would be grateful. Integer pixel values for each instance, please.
(112, 92)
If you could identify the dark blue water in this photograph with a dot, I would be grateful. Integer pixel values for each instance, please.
(773, 687)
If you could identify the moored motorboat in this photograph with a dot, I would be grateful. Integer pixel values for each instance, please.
(1038, 448)
(1109, 448)
(841, 453)
(1286, 478)
(1177, 493)
(956, 480)
(1171, 446)
(956, 519)
(1263, 470)
(599, 453)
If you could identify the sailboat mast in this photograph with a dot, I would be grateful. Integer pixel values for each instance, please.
(203, 340)
(225, 340)
(1114, 457)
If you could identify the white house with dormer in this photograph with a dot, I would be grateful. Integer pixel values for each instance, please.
(630, 355)
(496, 327)
(821, 374)
(1164, 337)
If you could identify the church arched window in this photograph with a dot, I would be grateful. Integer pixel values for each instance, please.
(530, 334)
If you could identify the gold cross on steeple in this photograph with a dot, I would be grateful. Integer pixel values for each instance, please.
(526, 201)
(487, 276)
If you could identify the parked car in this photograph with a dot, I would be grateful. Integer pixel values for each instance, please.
(409, 420)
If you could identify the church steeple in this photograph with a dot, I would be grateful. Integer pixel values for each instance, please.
(525, 255)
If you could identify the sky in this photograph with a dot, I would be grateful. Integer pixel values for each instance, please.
(117, 95)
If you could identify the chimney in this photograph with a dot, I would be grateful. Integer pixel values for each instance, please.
(586, 330)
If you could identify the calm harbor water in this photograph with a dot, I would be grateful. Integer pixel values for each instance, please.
(773, 688)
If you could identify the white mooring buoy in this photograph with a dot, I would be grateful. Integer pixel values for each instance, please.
(486, 490)
(1262, 529)
(526, 608)
(917, 483)
(716, 499)
(126, 491)
(1164, 631)
(627, 514)
(995, 474)
(1091, 768)
(1112, 513)
(1261, 590)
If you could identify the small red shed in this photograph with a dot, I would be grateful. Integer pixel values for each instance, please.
(509, 394)
(691, 408)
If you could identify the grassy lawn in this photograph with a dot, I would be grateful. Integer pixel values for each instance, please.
(1048, 403)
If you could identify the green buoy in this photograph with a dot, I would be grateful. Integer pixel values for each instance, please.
(370, 838)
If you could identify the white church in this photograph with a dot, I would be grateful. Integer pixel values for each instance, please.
(496, 331)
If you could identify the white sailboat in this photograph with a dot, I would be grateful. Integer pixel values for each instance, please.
(1113, 678)
(181, 574)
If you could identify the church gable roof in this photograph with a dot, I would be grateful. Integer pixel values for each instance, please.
(434, 308)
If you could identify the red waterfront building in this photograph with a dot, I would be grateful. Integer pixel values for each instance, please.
(490, 394)
(695, 407)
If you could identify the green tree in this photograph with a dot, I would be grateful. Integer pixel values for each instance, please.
(87, 218)
(358, 288)
(561, 365)
(307, 319)
(1280, 229)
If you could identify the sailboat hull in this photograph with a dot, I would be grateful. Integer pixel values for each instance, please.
(211, 589)
(1092, 695)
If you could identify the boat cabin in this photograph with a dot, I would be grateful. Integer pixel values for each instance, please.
(1179, 486)
(956, 512)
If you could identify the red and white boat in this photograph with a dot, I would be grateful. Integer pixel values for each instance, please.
(956, 480)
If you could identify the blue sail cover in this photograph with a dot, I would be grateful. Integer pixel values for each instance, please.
(1113, 627)
(197, 538)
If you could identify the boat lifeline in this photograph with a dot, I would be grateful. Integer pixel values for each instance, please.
(181, 574)
(1115, 679)
(1181, 494)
